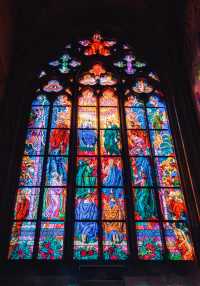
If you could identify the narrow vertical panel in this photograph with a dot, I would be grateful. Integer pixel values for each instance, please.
(113, 204)
(31, 171)
(115, 245)
(51, 240)
(141, 173)
(86, 241)
(178, 241)
(167, 172)
(87, 117)
(35, 142)
(135, 118)
(149, 241)
(22, 240)
(86, 172)
(54, 203)
(87, 142)
(172, 204)
(157, 118)
(111, 172)
(145, 204)
(59, 142)
(38, 117)
(138, 143)
(57, 171)
(26, 203)
(110, 141)
(109, 118)
(61, 117)
(162, 143)
(86, 204)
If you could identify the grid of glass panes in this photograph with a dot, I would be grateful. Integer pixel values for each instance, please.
(100, 220)
(160, 213)
(42, 182)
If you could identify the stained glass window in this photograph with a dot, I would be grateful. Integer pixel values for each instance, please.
(99, 174)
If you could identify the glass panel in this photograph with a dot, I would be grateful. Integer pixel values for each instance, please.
(38, 117)
(110, 142)
(61, 117)
(111, 172)
(86, 171)
(40, 100)
(113, 204)
(54, 203)
(115, 241)
(108, 98)
(86, 204)
(138, 143)
(178, 241)
(26, 203)
(144, 204)
(31, 171)
(62, 100)
(141, 172)
(87, 98)
(86, 241)
(109, 117)
(172, 204)
(135, 118)
(155, 101)
(22, 240)
(59, 142)
(149, 241)
(87, 142)
(167, 172)
(57, 170)
(51, 240)
(87, 117)
(35, 142)
(157, 118)
(162, 143)
(133, 101)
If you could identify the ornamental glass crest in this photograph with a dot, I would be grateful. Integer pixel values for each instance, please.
(99, 177)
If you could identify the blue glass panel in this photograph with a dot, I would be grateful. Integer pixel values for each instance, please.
(141, 172)
(40, 100)
(86, 241)
(56, 173)
(86, 204)
(38, 117)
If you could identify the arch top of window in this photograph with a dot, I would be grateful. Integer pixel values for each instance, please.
(97, 61)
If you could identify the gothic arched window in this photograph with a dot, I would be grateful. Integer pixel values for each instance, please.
(99, 177)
